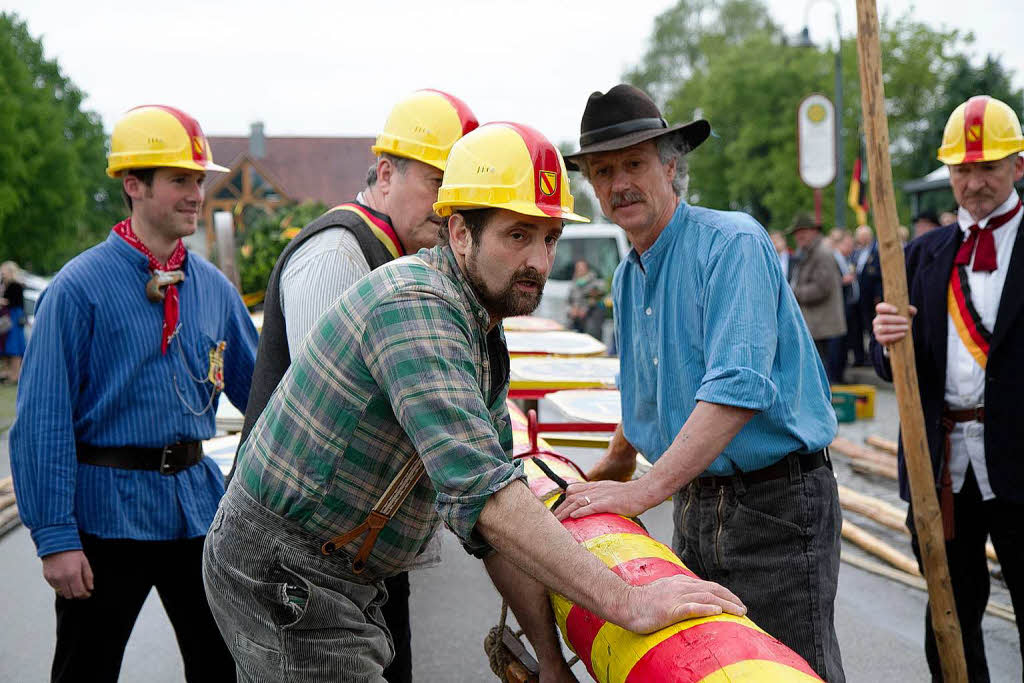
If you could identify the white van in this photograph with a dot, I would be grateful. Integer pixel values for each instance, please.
(602, 245)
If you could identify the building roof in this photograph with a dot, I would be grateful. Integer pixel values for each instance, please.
(329, 170)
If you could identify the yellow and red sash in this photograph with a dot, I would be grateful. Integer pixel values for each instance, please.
(380, 227)
(966, 318)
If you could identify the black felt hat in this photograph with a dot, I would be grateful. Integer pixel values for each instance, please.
(801, 221)
(625, 116)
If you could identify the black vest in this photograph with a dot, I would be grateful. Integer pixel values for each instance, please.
(272, 357)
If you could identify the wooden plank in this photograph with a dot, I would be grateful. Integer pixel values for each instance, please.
(553, 344)
(594, 405)
(879, 548)
(884, 445)
(573, 441)
(874, 509)
(994, 608)
(885, 514)
(545, 372)
(865, 460)
(531, 323)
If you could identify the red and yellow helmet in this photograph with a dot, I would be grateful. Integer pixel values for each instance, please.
(507, 166)
(981, 129)
(424, 126)
(155, 135)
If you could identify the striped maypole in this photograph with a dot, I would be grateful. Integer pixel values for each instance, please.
(710, 649)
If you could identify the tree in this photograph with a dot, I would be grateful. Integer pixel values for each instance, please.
(55, 199)
(263, 241)
(729, 62)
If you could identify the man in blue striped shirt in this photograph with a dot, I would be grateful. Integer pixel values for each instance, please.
(135, 339)
(721, 386)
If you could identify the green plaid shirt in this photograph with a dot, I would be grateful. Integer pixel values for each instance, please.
(401, 366)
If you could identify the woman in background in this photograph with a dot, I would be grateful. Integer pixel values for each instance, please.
(12, 304)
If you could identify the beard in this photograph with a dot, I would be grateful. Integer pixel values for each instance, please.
(507, 301)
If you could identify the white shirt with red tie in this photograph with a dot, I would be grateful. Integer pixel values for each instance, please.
(965, 379)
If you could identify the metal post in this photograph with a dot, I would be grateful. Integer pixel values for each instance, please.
(805, 41)
(224, 228)
(840, 177)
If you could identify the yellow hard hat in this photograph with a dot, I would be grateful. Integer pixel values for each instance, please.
(155, 135)
(981, 129)
(507, 166)
(424, 126)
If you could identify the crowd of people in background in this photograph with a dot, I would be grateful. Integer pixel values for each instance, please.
(837, 280)
(838, 305)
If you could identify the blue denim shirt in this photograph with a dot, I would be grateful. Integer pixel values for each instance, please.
(94, 374)
(705, 314)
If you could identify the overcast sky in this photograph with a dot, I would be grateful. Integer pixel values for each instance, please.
(335, 67)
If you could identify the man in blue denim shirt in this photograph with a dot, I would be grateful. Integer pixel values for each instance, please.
(135, 341)
(721, 386)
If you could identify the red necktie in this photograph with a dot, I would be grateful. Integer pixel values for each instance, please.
(985, 256)
(124, 229)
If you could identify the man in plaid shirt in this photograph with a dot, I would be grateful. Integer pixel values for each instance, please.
(407, 373)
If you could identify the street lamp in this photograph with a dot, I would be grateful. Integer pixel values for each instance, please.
(805, 41)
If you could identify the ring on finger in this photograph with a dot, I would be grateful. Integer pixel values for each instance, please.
(587, 498)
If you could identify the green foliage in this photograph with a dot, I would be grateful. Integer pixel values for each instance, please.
(55, 199)
(262, 243)
(727, 61)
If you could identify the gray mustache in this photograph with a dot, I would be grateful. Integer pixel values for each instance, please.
(627, 197)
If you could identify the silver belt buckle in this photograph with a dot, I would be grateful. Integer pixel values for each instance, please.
(165, 467)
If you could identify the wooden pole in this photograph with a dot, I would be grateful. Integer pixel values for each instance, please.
(884, 445)
(885, 514)
(880, 549)
(996, 609)
(927, 518)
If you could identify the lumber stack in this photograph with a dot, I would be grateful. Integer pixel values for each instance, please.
(865, 459)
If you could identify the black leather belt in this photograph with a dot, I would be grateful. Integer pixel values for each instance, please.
(805, 461)
(167, 460)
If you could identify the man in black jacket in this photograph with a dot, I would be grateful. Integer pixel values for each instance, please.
(966, 284)
(392, 217)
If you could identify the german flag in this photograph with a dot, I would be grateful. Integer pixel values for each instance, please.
(858, 196)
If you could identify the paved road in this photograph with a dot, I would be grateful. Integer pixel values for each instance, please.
(453, 605)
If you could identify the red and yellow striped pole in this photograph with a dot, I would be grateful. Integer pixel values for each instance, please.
(710, 650)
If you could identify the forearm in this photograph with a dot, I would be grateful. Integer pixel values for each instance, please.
(619, 448)
(45, 469)
(519, 526)
(44, 464)
(706, 433)
(240, 356)
(529, 602)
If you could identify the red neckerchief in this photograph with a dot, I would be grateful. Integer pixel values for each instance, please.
(985, 256)
(175, 262)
